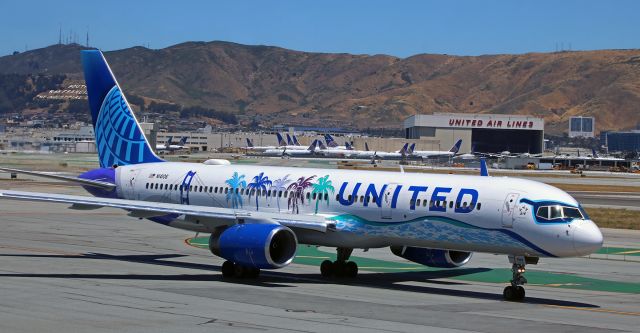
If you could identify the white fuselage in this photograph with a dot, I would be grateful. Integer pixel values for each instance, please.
(372, 208)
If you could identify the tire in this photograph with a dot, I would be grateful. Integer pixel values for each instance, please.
(520, 293)
(339, 268)
(253, 273)
(228, 269)
(351, 269)
(326, 268)
(239, 271)
(508, 293)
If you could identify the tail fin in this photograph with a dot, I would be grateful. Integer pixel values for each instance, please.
(321, 144)
(313, 145)
(169, 141)
(183, 140)
(594, 153)
(456, 147)
(403, 151)
(410, 150)
(483, 167)
(119, 138)
(289, 142)
(280, 140)
(295, 141)
(347, 145)
(366, 146)
(249, 143)
(330, 141)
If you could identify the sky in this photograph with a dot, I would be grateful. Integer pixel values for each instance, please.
(399, 28)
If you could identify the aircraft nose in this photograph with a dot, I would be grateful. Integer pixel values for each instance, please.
(587, 238)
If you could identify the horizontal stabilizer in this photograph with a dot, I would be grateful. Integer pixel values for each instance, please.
(81, 181)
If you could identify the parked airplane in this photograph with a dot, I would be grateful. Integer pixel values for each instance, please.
(290, 145)
(331, 143)
(295, 141)
(168, 146)
(434, 220)
(285, 151)
(251, 146)
(436, 153)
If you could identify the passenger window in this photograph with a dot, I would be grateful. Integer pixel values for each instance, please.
(308, 195)
(450, 204)
(571, 212)
(226, 190)
(147, 186)
(418, 202)
(361, 198)
(424, 203)
(156, 186)
(479, 204)
(555, 212)
(210, 189)
(326, 196)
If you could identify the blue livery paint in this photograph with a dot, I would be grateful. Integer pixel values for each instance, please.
(107, 175)
(245, 244)
(119, 138)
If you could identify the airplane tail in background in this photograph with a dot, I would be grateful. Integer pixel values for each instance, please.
(593, 152)
(183, 140)
(330, 141)
(119, 138)
(456, 147)
(289, 141)
(366, 146)
(295, 141)
(313, 145)
(169, 141)
(403, 151)
(410, 150)
(348, 146)
(249, 143)
(280, 140)
(321, 144)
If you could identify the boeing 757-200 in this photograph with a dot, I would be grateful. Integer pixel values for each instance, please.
(257, 215)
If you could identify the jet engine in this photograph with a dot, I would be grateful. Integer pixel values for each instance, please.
(263, 246)
(432, 257)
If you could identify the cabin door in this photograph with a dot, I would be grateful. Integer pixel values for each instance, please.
(508, 207)
(387, 199)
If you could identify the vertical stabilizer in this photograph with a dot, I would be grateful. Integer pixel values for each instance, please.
(119, 138)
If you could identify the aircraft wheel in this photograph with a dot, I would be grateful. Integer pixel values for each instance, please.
(228, 269)
(339, 268)
(520, 293)
(326, 268)
(509, 293)
(351, 269)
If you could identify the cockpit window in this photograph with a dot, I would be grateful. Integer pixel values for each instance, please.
(570, 212)
(543, 213)
(555, 212)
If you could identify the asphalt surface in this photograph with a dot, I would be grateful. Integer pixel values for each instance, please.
(66, 270)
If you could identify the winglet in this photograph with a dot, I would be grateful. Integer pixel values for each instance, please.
(483, 168)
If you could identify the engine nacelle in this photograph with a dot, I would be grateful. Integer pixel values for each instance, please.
(432, 257)
(264, 246)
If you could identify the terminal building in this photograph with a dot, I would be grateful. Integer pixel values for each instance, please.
(490, 133)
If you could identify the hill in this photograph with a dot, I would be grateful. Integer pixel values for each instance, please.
(275, 85)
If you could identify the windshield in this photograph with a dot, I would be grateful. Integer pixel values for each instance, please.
(555, 213)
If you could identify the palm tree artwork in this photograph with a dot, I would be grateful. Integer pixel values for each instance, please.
(258, 184)
(280, 185)
(298, 188)
(235, 182)
(322, 189)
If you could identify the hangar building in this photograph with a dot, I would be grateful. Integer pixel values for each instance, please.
(489, 133)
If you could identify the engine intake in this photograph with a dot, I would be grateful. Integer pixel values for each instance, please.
(432, 257)
(264, 246)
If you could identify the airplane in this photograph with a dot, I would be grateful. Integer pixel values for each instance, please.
(286, 152)
(290, 145)
(331, 143)
(251, 146)
(437, 220)
(295, 141)
(436, 153)
(168, 146)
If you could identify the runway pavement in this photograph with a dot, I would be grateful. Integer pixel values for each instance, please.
(66, 270)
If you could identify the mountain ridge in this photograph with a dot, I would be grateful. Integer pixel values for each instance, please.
(273, 85)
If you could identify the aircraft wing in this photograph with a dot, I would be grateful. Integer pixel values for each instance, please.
(146, 209)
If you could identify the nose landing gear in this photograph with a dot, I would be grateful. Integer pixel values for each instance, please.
(342, 267)
(515, 292)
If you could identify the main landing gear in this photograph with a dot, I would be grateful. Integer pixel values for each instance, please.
(515, 292)
(342, 267)
(231, 269)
